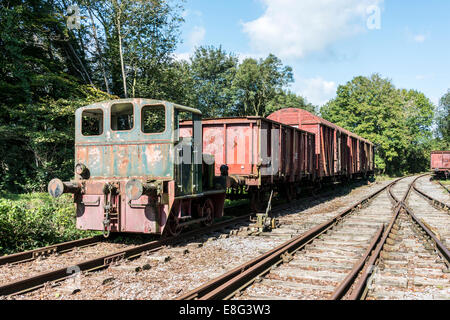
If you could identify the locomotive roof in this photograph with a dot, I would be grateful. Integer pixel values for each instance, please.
(141, 101)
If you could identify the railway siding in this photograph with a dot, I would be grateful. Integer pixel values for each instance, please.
(410, 268)
(316, 271)
(205, 259)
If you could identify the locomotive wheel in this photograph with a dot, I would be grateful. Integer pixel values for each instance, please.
(208, 212)
(173, 226)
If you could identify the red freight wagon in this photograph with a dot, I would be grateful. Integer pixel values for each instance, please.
(440, 163)
(260, 154)
(338, 151)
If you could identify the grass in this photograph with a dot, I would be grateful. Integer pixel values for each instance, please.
(30, 221)
(383, 177)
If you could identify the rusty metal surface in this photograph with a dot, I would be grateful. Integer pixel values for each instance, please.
(440, 161)
(345, 285)
(360, 286)
(129, 153)
(443, 186)
(338, 151)
(257, 149)
(138, 140)
(433, 201)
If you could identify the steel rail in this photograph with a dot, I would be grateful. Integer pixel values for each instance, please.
(37, 281)
(443, 186)
(345, 285)
(361, 287)
(240, 277)
(434, 202)
(56, 248)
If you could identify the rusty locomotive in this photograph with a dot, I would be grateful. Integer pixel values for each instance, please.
(154, 167)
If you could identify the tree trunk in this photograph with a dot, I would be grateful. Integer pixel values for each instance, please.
(94, 29)
(124, 79)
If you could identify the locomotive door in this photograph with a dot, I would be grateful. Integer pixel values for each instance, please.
(188, 157)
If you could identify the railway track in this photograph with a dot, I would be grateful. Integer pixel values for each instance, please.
(22, 282)
(444, 187)
(415, 263)
(236, 235)
(336, 259)
(60, 248)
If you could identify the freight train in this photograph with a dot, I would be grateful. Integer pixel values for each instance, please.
(155, 167)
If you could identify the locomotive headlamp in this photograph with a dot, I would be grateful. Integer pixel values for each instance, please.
(56, 188)
(134, 189)
(82, 170)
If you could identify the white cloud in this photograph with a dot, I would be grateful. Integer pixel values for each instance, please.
(193, 39)
(316, 90)
(419, 38)
(196, 36)
(416, 36)
(293, 28)
(182, 56)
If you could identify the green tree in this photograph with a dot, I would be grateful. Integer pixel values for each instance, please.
(443, 123)
(288, 99)
(418, 113)
(257, 83)
(396, 121)
(212, 73)
(43, 78)
(134, 42)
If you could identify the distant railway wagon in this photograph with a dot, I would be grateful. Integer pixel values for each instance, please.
(339, 152)
(258, 154)
(440, 163)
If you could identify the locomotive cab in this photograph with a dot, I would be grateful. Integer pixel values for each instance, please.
(136, 171)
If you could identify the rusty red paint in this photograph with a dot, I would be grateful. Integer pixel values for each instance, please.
(338, 151)
(239, 143)
(440, 161)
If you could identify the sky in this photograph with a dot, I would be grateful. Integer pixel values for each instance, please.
(329, 42)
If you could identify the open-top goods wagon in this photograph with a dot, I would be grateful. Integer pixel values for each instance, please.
(258, 154)
(339, 152)
(440, 163)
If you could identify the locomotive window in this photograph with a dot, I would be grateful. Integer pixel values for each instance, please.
(122, 117)
(92, 122)
(153, 119)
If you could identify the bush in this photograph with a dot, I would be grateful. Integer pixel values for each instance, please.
(36, 220)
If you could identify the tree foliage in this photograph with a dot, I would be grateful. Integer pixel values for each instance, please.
(126, 48)
(257, 83)
(398, 122)
(42, 82)
(443, 123)
(219, 85)
(212, 74)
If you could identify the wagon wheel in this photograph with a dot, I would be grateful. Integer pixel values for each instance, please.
(208, 212)
(173, 228)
